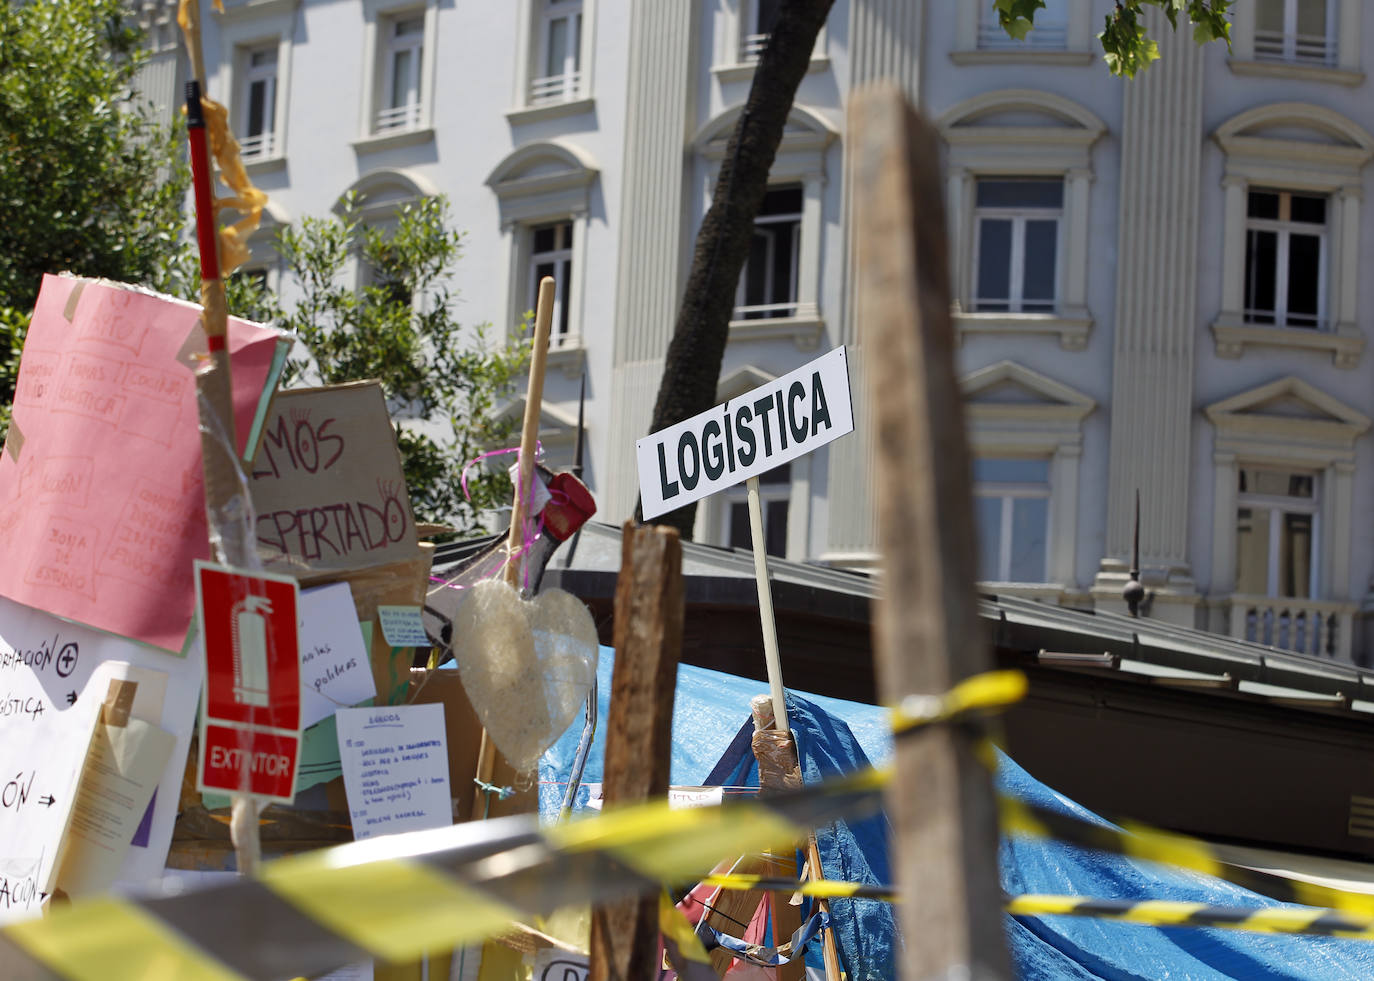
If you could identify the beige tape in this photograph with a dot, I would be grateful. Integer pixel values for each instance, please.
(69, 311)
(119, 702)
(14, 441)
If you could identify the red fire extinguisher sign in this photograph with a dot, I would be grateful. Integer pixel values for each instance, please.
(251, 713)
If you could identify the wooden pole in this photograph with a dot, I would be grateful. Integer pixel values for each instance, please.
(928, 633)
(226, 509)
(529, 430)
(769, 624)
(649, 611)
(529, 440)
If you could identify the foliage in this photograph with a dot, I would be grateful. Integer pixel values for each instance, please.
(89, 182)
(13, 325)
(1126, 46)
(400, 329)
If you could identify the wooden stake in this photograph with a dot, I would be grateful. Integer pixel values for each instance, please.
(529, 431)
(649, 610)
(928, 633)
(770, 627)
(226, 512)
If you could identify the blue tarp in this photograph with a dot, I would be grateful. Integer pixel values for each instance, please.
(836, 735)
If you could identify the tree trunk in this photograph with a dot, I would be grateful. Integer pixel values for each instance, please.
(692, 368)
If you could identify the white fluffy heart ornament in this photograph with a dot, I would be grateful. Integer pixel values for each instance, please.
(527, 665)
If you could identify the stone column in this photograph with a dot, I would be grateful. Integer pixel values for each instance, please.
(884, 43)
(1155, 327)
(659, 116)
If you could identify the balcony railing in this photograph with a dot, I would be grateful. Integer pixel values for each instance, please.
(1318, 627)
(399, 117)
(1046, 35)
(258, 147)
(555, 88)
(1305, 49)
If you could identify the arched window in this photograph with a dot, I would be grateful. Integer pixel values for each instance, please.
(1019, 175)
(779, 290)
(544, 194)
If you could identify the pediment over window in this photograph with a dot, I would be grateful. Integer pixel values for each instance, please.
(556, 426)
(381, 192)
(741, 381)
(1294, 122)
(1288, 408)
(543, 178)
(1008, 391)
(1021, 116)
(806, 131)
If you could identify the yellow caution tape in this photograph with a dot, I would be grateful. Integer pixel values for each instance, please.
(985, 692)
(401, 896)
(818, 888)
(1163, 913)
(1138, 841)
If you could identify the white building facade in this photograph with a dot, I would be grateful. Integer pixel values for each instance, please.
(1157, 282)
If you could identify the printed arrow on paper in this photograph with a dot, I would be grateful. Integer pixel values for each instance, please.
(47, 800)
(71, 698)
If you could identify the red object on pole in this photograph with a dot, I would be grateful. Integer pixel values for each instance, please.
(200, 181)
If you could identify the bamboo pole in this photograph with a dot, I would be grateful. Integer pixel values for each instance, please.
(529, 430)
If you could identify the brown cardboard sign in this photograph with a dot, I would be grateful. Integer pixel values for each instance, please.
(327, 485)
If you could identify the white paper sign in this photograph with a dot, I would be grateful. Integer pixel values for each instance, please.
(677, 796)
(403, 626)
(335, 669)
(776, 422)
(53, 677)
(395, 768)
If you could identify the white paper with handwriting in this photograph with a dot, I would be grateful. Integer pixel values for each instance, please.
(335, 670)
(395, 768)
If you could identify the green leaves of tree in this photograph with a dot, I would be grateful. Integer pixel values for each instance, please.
(1126, 46)
(441, 379)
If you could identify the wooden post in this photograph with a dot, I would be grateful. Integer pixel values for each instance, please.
(529, 430)
(226, 510)
(649, 609)
(771, 658)
(928, 633)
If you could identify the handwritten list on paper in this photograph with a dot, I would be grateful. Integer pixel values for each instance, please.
(395, 769)
(101, 503)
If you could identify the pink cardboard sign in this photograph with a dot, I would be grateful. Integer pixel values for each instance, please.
(102, 510)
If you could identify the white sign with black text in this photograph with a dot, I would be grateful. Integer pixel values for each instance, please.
(746, 436)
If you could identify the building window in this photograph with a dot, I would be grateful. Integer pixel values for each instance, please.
(1300, 31)
(768, 284)
(402, 57)
(1012, 508)
(759, 18)
(1017, 248)
(558, 72)
(775, 492)
(1051, 29)
(1285, 259)
(260, 103)
(551, 254)
(1276, 533)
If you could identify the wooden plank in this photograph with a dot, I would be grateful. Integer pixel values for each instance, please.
(928, 634)
(649, 610)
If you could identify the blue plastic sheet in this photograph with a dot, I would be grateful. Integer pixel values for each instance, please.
(711, 724)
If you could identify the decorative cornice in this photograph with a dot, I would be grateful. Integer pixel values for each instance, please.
(1297, 73)
(1072, 332)
(1233, 338)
